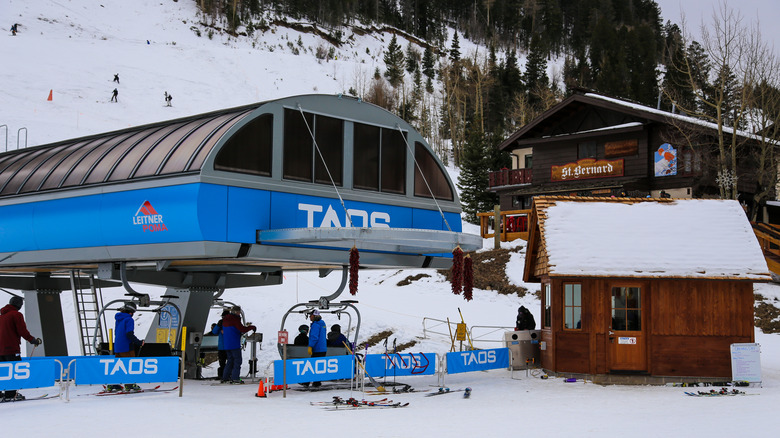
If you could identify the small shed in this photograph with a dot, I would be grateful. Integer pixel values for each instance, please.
(643, 286)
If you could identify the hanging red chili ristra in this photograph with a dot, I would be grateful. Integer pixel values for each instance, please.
(457, 270)
(468, 278)
(354, 264)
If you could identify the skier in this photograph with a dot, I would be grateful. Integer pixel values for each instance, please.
(12, 329)
(221, 352)
(168, 99)
(125, 341)
(114, 94)
(232, 329)
(336, 338)
(303, 336)
(525, 320)
(14, 28)
(317, 338)
(116, 78)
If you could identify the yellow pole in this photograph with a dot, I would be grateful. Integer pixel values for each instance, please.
(110, 341)
(183, 356)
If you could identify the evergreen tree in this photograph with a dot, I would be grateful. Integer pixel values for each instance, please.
(428, 63)
(535, 76)
(394, 59)
(455, 49)
(473, 178)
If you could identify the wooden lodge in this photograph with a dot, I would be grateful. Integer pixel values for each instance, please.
(594, 145)
(645, 289)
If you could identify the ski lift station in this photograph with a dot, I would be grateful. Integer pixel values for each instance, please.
(228, 199)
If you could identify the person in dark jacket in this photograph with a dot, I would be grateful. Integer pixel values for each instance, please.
(336, 338)
(116, 78)
(318, 334)
(525, 320)
(114, 94)
(232, 329)
(221, 352)
(12, 330)
(303, 336)
(125, 341)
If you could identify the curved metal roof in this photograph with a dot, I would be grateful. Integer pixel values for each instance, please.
(160, 149)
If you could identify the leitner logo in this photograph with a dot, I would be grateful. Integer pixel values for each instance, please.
(149, 218)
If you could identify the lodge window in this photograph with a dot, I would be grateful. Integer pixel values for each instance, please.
(587, 149)
(379, 159)
(572, 306)
(547, 305)
(249, 150)
(626, 308)
(529, 161)
(302, 162)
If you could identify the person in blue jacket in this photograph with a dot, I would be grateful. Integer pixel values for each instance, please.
(318, 333)
(232, 329)
(221, 352)
(125, 341)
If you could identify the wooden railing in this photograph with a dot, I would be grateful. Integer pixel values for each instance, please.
(509, 177)
(768, 236)
(513, 225)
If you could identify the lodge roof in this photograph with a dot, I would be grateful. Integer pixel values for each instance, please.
(642, 238)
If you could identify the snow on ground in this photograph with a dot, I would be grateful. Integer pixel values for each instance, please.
(74, 47)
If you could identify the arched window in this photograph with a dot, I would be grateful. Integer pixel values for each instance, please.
(249, 149)
(379, 159)
(301, 161)
(433, 175)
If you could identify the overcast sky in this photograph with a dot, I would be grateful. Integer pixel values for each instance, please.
(765, 12)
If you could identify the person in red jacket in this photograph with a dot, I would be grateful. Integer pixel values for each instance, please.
(232, 329)
(12, 329)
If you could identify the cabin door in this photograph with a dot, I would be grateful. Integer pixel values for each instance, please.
(626, 340)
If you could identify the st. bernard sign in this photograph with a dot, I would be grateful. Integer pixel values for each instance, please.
(587, 168)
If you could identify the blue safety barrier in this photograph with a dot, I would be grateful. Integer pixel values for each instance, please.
(400, 364)
(477, 360)
(314, 369)
(119, 370)
(27, 374)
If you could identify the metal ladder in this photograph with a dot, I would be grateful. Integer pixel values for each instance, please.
(88, 304)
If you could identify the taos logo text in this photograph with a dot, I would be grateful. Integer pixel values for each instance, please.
(359, 218)
(134, 366)
(322, 366)
(480, 357)
(14, 370)
(149, 219)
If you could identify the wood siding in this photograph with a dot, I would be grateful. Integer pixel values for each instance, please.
(688, 326)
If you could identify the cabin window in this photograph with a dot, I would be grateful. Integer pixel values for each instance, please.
(379, 159)
(572, 306)
(626, 308)
(249, 149)
(547, 305)
(434, 175)
(587, 149)
(529, 161)
(302, 162)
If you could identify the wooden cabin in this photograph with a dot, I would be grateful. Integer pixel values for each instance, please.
(643, 287)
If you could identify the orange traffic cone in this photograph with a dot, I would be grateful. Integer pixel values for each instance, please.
(49, 99)
(260, 390)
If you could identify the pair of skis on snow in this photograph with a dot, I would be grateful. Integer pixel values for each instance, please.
(339, 404)
(39, 397)
(106, 392)
(442, 391)
(714, 393)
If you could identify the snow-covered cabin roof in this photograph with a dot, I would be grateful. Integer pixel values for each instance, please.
(643, 238)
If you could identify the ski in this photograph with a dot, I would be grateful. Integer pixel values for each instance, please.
(39, 397)
(350, 401)
(403, 390)
(443, 391)
(372, 406)
(143, 390)
(713, 393)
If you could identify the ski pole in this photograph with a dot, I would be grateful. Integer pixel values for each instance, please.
(394, 351)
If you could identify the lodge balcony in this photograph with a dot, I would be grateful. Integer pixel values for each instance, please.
(509, 177)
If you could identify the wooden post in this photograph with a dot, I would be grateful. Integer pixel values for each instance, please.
(497, 226)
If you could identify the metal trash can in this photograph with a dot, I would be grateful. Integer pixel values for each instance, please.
(524, 346)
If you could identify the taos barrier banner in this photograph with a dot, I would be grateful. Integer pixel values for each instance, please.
(314, 369)
(119, 370)
(477, 360)
(401, 364)
(27, 374)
